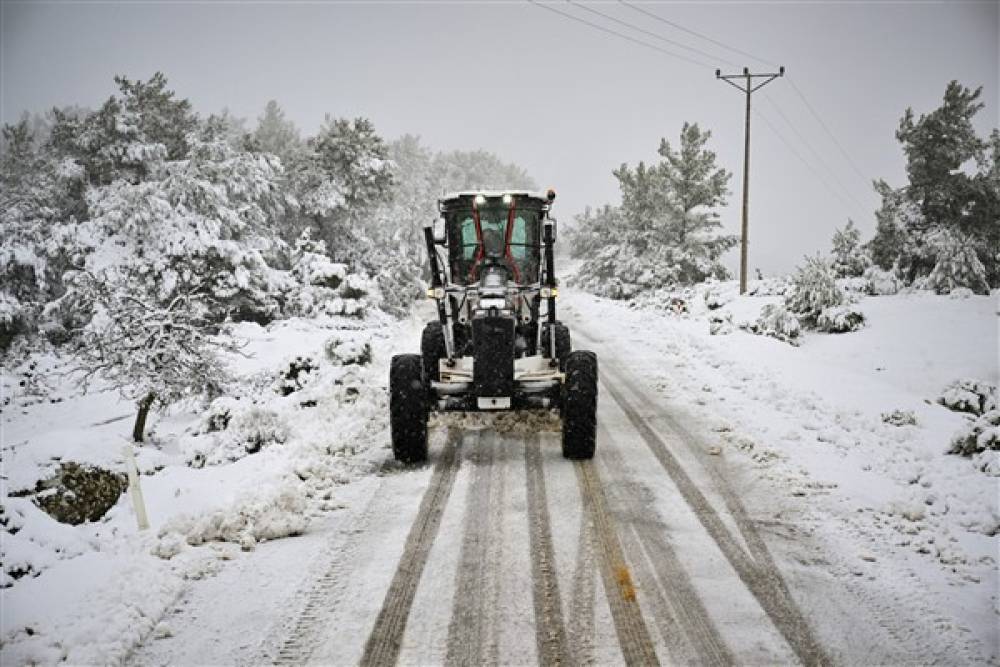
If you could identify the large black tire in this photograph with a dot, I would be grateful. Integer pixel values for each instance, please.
(563, 343)
(579, 406)
(432, 350)
(408, 408)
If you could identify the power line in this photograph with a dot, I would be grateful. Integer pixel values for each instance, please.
(829, 133)
(808, 164)
(643, 31)
(815, 153)
(616, 33)
(795, 88)
(696, 34)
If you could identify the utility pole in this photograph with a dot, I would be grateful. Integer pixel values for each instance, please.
(747, 87)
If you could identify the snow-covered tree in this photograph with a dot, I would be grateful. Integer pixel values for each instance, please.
(277, 135)
(953, 186)
(37, 195)
(152, 351)
(471, 170)
(957, 265)
(849, 259)
(665, 232)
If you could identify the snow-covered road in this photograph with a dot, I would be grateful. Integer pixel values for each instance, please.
(500, 551)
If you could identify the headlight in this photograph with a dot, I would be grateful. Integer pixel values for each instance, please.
(435, 293)
(547, 292)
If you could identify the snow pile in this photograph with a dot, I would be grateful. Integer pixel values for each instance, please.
(265, 515)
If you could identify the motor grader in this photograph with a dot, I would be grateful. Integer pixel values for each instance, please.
(496, 343)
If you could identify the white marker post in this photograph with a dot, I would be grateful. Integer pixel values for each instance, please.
(134, 489)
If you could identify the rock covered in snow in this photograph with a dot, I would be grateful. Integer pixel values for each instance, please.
(77, 492)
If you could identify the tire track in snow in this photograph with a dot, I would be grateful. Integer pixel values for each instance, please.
(762, 578)
(633, 635)
(580, 629)
(550, 631)
(472, 634)
(678, 612)
(294, 646)
(385, 640)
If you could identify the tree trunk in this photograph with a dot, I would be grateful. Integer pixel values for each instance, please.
(139, 429)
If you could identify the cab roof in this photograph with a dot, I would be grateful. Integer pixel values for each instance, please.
(463, 197)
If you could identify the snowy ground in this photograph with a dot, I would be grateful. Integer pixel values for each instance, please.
(96, 590)
(902, 520)
(741, 485)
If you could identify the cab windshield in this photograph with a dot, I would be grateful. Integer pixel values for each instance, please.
(516, 247)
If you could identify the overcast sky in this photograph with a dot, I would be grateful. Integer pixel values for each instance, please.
(564, 100)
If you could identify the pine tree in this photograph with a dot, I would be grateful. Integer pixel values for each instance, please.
(849, 259)
(943, 193)
(936, 145)
(696, 186)
(668, 219)
(277, 135)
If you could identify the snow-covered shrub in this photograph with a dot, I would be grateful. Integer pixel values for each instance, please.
(715, 296)
(268, 515)
(295, 376)
(230, 432)
(312, 264)
(957, 265)
(840, 319)
(775, 321)
(346, 352)
(900, 418)
(968, 395)
(978, 435)
(882, 282)
(720, 323)
(960, 293)
(218, 415)
(814, 289)
(256, 428)
(855, 285)
(769, 286)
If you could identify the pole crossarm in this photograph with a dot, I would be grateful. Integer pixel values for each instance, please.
(747, 87)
